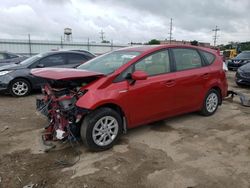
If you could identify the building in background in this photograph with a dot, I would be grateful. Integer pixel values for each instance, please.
(179, 42)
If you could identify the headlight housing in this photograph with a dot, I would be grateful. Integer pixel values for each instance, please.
(246, 61)
(4, 72)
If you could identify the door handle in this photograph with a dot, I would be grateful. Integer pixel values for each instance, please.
(205, 76)
(169, 83)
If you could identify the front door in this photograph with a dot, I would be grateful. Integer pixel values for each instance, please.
(151, 99)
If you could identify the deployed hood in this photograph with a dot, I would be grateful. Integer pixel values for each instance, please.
(63, 73)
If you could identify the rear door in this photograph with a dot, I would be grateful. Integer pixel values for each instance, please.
(55, 60)
(74, 60)
(191, 78)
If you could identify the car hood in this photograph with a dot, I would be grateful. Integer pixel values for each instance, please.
(245, 68)
(11, 66)
(64, 73)
(239, 59)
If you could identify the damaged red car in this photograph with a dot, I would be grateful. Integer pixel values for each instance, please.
(123, 89)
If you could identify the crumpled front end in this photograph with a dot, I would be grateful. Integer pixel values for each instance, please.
(58, 105)
(58, 102)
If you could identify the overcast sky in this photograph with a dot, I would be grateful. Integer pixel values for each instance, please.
(126, 20)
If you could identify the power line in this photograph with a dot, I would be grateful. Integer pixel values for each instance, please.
(102, 35)
(215, 34)
(171, 30)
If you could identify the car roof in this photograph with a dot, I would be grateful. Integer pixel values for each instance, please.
(60, 52)
(147, 48)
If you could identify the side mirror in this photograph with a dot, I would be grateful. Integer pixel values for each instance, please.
(139, 75)
(40, 66)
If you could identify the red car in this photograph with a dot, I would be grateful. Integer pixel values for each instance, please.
(127, 88)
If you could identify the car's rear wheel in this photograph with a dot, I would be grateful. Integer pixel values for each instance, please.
(210, 103)
(19, 87)
(101, 129)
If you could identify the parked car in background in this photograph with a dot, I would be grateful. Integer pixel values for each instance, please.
(7, 58)
(242, 76)
(130, 87)
(17, 80)
(241, 59)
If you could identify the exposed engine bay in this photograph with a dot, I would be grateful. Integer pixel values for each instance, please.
(57, 103)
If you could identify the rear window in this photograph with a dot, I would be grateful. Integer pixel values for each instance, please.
(186, 58)
(76, 59)
(209, 57)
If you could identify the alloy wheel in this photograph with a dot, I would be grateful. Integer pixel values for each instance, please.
(105, 131)
(212, 102)
(20, 88)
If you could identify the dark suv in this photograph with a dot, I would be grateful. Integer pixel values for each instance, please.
(241, 59)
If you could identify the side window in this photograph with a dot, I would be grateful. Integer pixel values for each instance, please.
(186, 59)
(53, 60)
(157, 63)
(209, 57)
(76, 59)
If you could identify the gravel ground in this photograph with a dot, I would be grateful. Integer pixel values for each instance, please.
(185, 151)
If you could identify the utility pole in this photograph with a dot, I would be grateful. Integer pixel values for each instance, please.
(215, 34)
(102, 35)
(171, 30)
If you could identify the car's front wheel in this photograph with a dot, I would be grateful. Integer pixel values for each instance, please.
(19, 87)
(210, 103)
(101, 129)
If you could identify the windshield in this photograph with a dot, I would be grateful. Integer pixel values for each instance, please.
(32, 59)
(108, 63)
(243, 55)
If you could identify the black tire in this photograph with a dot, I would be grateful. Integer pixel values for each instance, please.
(206, 111)
(90, 122)
(25, 92)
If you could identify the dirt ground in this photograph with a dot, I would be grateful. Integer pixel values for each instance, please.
(188, 151)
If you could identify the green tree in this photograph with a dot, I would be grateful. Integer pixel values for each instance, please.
(244, 46)
(154, 42)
